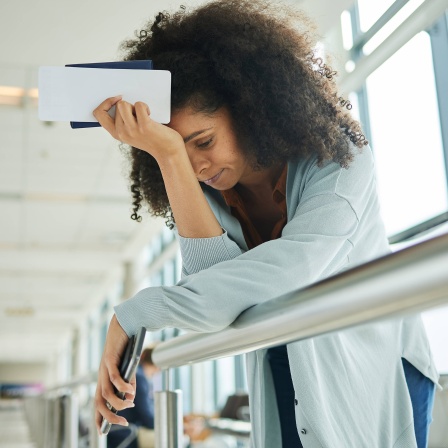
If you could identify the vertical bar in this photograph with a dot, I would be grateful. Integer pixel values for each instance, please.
(364, 115)
(215, 383)
(439, 46)
(71, 429)
(239, 373)
(166, 379)
(48, 422)
(356, 54)
(168, 419)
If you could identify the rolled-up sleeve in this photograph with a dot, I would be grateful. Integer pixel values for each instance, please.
(201, 253)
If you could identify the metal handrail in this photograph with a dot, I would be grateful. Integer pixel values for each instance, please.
(409, 280)
(419, 229)
(84, 380)
(53, 415)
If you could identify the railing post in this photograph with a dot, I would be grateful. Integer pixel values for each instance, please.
(168, 418)
(70, 415)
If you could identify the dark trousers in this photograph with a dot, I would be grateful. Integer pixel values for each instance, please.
(421, 390)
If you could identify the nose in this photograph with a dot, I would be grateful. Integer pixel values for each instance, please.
(199, 162)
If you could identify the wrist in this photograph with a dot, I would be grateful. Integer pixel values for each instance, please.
(170, 161)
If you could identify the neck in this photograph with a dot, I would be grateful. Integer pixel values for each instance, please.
(260, 184)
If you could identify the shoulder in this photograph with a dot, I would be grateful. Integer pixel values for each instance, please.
(355, 184)
(330, 176)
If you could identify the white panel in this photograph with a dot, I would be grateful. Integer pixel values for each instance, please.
(32, 339)
(13, 75)
(69, 177)
(59, 261)
(92, 31)
(67, 161)
(107, 224)
(47, 291)
(11, 173)
(60, 134)
(52, 223)
(11, 117)
(114, 180)
(12, 121)
(12, 140)
(11, 223)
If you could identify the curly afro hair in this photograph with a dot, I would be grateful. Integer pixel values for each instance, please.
(256, 58)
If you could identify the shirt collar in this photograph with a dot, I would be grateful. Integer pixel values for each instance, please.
(233, 199)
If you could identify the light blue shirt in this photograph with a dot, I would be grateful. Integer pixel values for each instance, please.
(349, 385)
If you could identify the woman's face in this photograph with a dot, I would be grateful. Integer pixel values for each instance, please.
(212, 147)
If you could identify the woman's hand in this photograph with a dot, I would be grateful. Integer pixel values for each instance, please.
(109, 376)
(133, 125)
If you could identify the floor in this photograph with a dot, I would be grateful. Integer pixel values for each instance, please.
(13, 426)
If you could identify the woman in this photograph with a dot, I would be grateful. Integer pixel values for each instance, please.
(286, 197)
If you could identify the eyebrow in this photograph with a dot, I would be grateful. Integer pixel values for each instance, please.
(195, 134)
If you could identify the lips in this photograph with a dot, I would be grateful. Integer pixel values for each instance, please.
(213, 179)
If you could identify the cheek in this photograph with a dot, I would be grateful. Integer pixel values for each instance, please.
(238, 156)
(232, 150)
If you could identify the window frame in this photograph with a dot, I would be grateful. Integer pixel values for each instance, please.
(438, 33)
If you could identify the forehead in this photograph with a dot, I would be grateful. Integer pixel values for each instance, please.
(187, 121)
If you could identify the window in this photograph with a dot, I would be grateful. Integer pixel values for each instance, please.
(406, 136)
(403, 106)
(370, 12)
(383, 17)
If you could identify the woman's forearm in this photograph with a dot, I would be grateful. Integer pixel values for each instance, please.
(192, 213)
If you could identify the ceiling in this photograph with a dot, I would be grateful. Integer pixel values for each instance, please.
(65, 230)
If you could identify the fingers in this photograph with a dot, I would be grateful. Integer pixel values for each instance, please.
(131, 396)
(124, 115)
(103, 411)
(107, 403)
(125, 389)
(132, 123)
(102, 115)
(142, 112)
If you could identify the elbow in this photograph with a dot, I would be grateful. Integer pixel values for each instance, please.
(211, 324)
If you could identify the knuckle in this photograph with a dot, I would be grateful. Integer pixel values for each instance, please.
(114, 375)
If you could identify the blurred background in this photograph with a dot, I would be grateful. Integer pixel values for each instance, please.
(69, 251)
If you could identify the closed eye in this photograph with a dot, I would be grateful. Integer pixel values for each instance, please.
(205, 144)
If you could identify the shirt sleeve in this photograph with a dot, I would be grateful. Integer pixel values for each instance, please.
(201, 253)
(314, 244)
